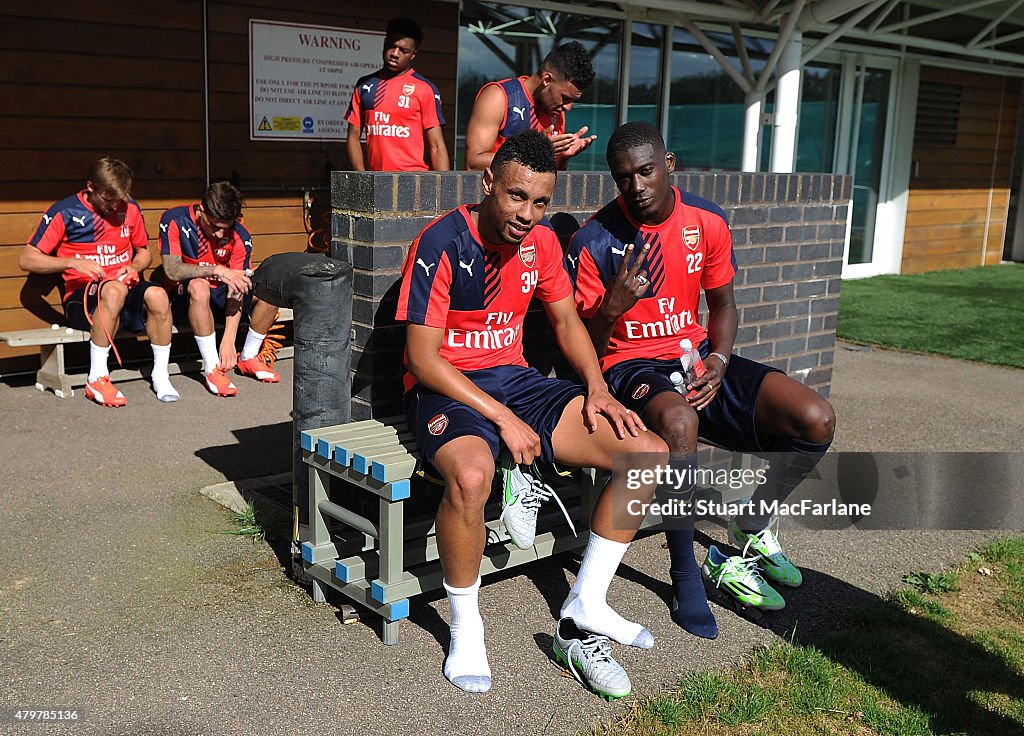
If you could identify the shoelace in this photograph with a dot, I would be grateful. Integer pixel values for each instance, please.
(772, 542)
(103, 322)
(539, 492)
(272, 342)
(746, 565)
(594, 649)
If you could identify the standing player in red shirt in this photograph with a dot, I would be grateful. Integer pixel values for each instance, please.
(466, 285)
(639, 266)
(206, 253)
(537, 102)
(396, 107)
(97, 239)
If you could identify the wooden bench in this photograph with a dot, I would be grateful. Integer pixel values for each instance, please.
(378, 555)
(53, 373)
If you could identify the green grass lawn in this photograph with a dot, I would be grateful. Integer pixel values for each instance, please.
(943, 655)
(974, 314)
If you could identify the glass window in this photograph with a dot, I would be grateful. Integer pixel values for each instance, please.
(645, 72)
(819, 118)
(502, 41)
(706, 106)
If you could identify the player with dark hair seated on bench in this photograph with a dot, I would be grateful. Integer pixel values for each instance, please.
(466, 285)
(639, 266)
(206, 257)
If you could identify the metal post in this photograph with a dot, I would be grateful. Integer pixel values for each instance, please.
(752, 131)
(787, 105)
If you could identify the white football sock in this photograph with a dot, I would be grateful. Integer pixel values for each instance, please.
(98, 361)
(253, 342)
(161, 380)
(587, 602)
(466, 666)
(208, 349)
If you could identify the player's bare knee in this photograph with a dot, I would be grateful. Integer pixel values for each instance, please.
(199, 290)
(817, 421)
(468, 488)
(649, 443)
(679, 428)
(157, 302)
(113, 294)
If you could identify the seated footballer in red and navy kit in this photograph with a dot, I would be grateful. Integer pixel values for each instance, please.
(97, 239)
(639, 266)
(397, 107)
(206, 254)
(537, 102)
(466, 285)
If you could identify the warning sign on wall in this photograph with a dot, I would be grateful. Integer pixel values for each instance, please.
(301, 78)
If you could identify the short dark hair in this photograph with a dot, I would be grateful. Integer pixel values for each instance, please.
(223, 202)
(405, 27)
(572, 62)
(531, 148)
(633, 135)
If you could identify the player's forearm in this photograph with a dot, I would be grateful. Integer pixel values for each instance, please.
(600, 327)
(232, 318)
(355, 150)
(178, 271)
(437, 374)
(142, 260)
(34, 260)
(722, 325)
(577, 347)
(439, 156)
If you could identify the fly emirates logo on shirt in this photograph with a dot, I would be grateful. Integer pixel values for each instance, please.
(668, 323)
(500, 332)
(381, 125)
(107, 255)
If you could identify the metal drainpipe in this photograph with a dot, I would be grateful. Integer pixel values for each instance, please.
(206, 91)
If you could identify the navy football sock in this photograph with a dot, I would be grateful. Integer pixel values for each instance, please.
(689, 601)
(792, 460)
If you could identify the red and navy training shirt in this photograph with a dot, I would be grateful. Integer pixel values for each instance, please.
(71, 228)
(691, 250)
(394, 112)
(521, 113)
(478, 292)
(180, 235)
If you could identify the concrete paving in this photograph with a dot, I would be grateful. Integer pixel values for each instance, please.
(122, 597)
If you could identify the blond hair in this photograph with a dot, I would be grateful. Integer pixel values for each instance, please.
(111, 175)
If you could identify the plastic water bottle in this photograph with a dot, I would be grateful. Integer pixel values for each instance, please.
(692, 365)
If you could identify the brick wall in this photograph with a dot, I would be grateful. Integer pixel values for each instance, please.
(788, 234)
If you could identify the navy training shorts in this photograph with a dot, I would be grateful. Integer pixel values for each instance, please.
(539, 401)
(133, 313)
(729, 420)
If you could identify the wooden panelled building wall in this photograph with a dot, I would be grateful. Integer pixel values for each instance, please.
(82, 80)
(960, 182)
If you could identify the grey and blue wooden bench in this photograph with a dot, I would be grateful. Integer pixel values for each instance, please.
(363, 543)
(54, 374)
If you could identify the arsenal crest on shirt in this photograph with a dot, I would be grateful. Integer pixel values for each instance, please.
(528, 253)
(408, 89)
(691, 236)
